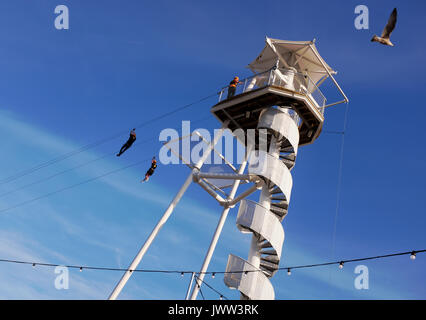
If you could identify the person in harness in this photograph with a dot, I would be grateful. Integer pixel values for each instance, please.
(128, 143)
(150, 171)
(232, 87)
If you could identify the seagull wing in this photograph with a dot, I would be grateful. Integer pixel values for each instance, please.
(390, 25)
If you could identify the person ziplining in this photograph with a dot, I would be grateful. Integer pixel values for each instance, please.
(150, 171)
(128, 143)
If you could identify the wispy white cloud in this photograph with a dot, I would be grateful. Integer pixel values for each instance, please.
(24, 282)
(93, 228)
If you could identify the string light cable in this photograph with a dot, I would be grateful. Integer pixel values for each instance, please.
(210, 287)
(413, 254)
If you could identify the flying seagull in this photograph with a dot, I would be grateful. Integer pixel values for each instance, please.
(384, 39)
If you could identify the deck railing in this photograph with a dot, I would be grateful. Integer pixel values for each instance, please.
(283, 77)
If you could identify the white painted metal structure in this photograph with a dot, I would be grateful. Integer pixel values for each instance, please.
(303, 56)
(263, 219)
(282, 98)
(268, 170)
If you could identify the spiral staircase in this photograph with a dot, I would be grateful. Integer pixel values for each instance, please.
(264, 219)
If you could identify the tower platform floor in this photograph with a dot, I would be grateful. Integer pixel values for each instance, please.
(243, 110)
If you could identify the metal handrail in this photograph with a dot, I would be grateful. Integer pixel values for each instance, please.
(271, 77)
(223, 89)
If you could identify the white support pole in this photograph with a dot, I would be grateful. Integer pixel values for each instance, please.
(150, 239)
(190, 286)
(163, 219)
(226, 176)
(256, 186)
(211, 192)
(219, 227)
(335, 103)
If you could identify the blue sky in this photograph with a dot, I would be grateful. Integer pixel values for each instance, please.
(124, 62)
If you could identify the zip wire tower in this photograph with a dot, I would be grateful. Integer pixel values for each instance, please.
(271, 113)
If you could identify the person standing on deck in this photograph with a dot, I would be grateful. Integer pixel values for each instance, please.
(232, 87)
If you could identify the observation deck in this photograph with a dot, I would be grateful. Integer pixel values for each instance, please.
(275, 87)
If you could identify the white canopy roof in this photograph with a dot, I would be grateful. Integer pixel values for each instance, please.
(301, 55)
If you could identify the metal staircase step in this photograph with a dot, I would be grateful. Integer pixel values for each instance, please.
(290, 157)
(281, 198)
(289, 164)
(282, 205)
(280, 215)
(267, 272)
(288, 149)
(268, 252)
(275, 190)
(280, 201)
(279, 211)
(265, 245)
(268, 265)
(271, 259)
(279, 205)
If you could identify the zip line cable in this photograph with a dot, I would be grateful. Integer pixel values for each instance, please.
(67, 170)
(97, 143)
(109, 138)
(72, 186)
(75, 152)
(53, 176)
(81, 165)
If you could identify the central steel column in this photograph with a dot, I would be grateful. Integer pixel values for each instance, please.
(219, 228)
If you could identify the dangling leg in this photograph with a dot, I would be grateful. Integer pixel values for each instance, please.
(123, 148)
(148, 174)
(231, 92)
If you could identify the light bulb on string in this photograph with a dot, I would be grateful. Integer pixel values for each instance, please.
(413, 255)
(288, 271)
(213, 275)
(341, 265)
